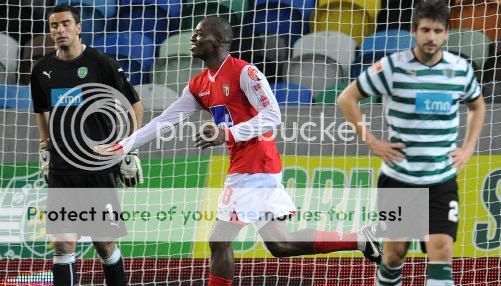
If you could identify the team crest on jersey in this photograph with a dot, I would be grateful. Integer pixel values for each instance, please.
(82, 72)
(253, 74)
(226, 89)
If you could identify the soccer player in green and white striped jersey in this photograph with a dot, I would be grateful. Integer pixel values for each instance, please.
(421, 90)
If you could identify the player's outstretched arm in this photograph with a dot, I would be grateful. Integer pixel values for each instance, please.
(179, 110)
(474, 124)
(348, 103)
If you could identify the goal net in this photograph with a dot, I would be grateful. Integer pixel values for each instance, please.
(309, 51)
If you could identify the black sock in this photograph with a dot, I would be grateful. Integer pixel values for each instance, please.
(115, 273)
(64, 274)
(114, 269)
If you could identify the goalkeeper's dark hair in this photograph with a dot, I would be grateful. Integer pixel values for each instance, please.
(221, 29)
(437, 10)
(66, 8)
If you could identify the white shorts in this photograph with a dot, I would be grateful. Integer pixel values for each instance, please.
(254, 199)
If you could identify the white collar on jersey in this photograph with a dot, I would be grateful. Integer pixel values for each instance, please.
(213, 77)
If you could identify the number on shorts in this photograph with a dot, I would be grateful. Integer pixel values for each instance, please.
(228, 192)
(453, 211)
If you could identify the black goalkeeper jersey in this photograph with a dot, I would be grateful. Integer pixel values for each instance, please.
(73, 121)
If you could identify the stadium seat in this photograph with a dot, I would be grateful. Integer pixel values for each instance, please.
(32, 51)
(473, 45)
(334, 45)
(193, 11)
(9, 49)
(282, 17)
(285, 21)
(155, 18)
(15, 97)
(483, 16)
(268, 32)
(155, 96)
(267, 52)
(94, 16)
(288, 93)
(133, 51)
(333, 91)
(306, 7)
(313, 71)
(175, 66)
(381, 44)
(388, 42)
(355, 18)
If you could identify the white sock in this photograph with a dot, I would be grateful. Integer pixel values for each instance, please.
(434, 282)
(113, 258)
(63, 258)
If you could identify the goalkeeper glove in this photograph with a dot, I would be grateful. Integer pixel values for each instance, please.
(131, 172)
(44, 160)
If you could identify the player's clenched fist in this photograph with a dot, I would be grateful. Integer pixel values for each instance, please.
(210, 136)
(44, 160)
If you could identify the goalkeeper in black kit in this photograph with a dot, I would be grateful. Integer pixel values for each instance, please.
(61, 84)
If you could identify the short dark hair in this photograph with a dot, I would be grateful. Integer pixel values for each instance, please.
(437, 10)
(221, 29)
(66, 8)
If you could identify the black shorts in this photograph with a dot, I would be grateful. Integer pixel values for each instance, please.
(443, 203)
(91, 196)
(106, 180)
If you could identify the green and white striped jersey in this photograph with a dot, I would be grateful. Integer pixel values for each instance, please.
(420, 105)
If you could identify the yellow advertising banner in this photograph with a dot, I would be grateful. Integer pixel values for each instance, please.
(479, 232)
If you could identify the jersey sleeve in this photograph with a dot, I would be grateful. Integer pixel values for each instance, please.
(40, 100)
(377, 79)
(258, 91)
(119, 81)
(472, 87)
(179, 110)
